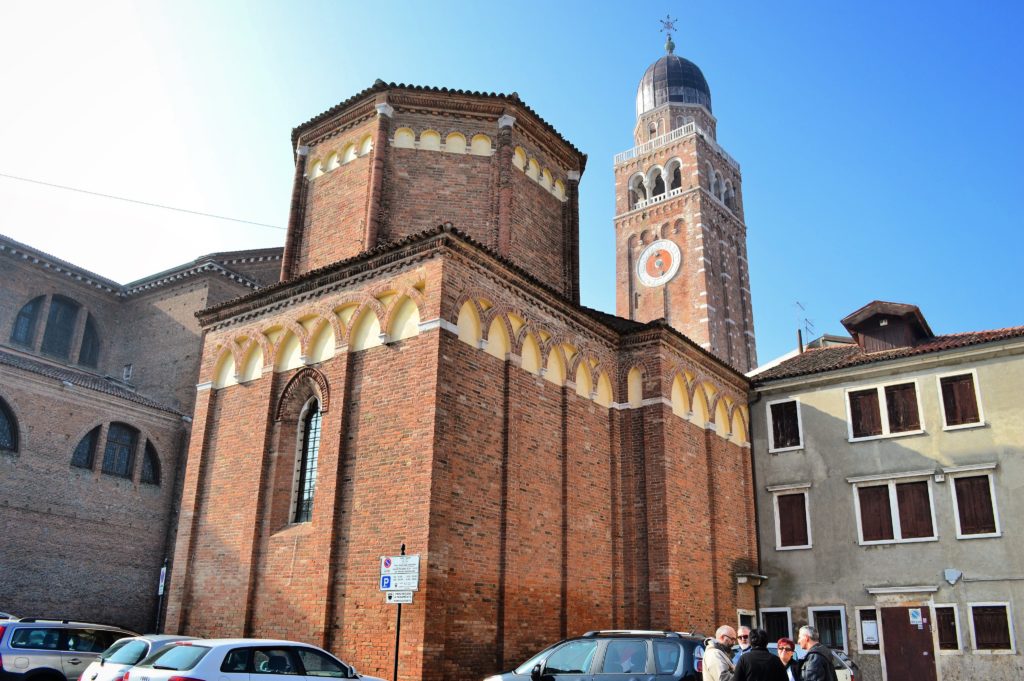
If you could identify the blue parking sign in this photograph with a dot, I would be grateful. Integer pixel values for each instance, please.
(385, 582)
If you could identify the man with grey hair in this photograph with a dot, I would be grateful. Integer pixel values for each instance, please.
(743, 638)
(718, 655)
(818, 663)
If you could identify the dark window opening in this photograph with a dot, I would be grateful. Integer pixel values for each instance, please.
(959, 400)
(24, 332)
(785, 425)
(89, 355)
(991, 627)
(85, 452)
(793, 519)
(945, 622)
(8, 429)
(119, 454)
(830, 627)
(974, 505)
(307, 464)
(677, 178)
(60, 327)
(776, 623)
(150, 465)
(659, 186)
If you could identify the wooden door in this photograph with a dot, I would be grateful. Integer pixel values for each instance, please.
(907, 644)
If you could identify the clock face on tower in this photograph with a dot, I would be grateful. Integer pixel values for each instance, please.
(658, 263)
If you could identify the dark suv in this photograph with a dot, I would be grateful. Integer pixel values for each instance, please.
(615, 656)
(51, 650)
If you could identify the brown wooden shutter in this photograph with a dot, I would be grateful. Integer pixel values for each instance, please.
(974, 505)
(945, 620)
(991, 628)
(901, 405)
(875, 513)
(959, 400)
(915, 509)
(792, 519)
(785, 427)
(864, 413)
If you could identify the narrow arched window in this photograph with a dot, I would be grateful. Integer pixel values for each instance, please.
(306, 463)
(60, 326)
(8, 429)
(89, 355)
(24, 331)
(85, 452)
(150, 465)
(119, 454)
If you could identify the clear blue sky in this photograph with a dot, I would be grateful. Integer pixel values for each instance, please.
(880, 142)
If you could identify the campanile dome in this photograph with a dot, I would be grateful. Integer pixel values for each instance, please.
(672, 79)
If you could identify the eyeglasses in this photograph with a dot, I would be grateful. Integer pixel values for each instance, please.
(743, 638)
(785, 650)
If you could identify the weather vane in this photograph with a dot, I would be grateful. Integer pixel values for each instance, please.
(668, 25)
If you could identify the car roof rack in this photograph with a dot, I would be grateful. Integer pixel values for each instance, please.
(45, 619)
(631, 632)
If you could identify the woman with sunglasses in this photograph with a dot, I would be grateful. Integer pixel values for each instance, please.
(787, 653)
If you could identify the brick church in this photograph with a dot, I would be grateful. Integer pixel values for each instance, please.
(424, 373)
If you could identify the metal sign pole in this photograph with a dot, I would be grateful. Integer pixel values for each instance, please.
(398, 630)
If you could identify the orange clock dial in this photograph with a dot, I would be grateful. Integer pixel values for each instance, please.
(658, 263)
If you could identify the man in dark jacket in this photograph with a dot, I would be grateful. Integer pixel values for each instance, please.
(757, 664)
(817, 665)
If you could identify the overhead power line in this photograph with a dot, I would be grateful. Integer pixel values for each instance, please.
(141, 203)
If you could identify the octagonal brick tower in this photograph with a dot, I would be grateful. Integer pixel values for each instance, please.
(395, 160)
(681, 250)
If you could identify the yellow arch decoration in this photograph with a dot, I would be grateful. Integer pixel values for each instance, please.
(469, 324)
(405, 320)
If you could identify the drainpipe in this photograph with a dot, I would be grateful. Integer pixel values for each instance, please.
(757, 519)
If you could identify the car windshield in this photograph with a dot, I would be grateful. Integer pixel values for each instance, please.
(177, 658)
(126, 651)
(525, 667)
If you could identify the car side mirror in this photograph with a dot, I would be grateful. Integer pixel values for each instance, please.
(535, 672)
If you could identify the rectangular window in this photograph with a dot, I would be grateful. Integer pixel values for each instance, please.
(791, 520)
(990, 627)
(895, 511)
(119, 454)
(777, 622)
(884, 410)
(959, 401)
(948, 630)
(784, 425)
(831, 624)
(867, 629)
(975, 506)
(60, 326)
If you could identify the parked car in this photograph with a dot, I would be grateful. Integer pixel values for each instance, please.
(658, 655)
(846, 669)
(125, 654)
(233, 659)
(52, 650)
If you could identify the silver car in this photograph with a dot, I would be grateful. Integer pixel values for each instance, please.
(52, 650)
(125, 654)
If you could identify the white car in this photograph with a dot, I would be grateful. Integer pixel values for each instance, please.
(126, 653)
(242, 659)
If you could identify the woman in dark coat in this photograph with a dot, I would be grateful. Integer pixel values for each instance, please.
(787, 653)
(758, 664)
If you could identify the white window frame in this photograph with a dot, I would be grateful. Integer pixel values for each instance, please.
(749, 613)
(956, 622)
(891, 480)
(860, 631)
(1009, 624)
(883, 409)
(977, 399)
(789, 617)
(772, 449)
(968, 472)
(812, 609)
(796, 488)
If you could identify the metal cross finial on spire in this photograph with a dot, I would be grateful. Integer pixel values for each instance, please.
(668, 25)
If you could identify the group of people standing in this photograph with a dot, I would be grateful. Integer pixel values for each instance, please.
(754, 662)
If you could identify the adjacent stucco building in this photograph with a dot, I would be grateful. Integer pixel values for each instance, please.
(889, 478)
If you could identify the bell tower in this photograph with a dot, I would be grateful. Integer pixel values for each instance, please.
(681, 241)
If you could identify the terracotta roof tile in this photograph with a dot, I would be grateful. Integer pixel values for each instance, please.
(82, 379)
(834, 358)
